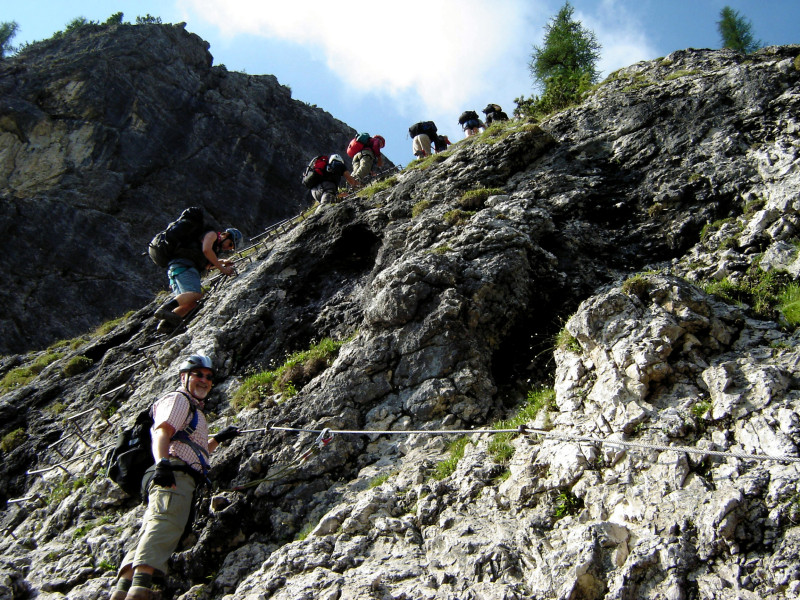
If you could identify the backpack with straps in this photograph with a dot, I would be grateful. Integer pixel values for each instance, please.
(357, 144)
(186, 230)
(313, 175)
(132, 455)
(426, 127)
(468, 115)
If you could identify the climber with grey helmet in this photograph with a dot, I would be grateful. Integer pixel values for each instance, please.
(184, 273)
(181, 446)
(327, 190)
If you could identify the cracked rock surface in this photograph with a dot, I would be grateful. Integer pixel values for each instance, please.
(601, 227)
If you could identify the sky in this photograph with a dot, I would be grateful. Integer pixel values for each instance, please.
(382, 66)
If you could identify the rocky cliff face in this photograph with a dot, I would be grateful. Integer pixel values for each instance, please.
(106, 135)
(650, 472)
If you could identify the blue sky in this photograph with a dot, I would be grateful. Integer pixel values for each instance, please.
(381, 66)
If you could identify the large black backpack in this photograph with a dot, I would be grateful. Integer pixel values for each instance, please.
(426, 127)
(178, 234)
(133, 453)
(315, 172)
(468, 115)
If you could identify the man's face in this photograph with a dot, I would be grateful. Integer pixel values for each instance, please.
(199, 382)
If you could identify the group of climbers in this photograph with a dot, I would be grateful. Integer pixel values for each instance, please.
(179, 433)
(471, 123)
(424, 134)
(324, 173)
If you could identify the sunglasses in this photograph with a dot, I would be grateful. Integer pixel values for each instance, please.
(199, 375)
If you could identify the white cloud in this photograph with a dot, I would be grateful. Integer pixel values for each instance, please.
(433, 58)
(444, 52)
(620, 33)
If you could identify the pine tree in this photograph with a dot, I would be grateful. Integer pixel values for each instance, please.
(565, 64)
(735, 31)
(8, 30)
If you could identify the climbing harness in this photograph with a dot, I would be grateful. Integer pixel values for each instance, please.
(324, 438)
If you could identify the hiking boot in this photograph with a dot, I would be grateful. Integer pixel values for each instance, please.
(118, 595)
(138, 592)
(164, 313)
(164, 327)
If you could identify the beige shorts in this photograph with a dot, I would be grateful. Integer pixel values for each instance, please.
(422, 143)
(362, 163)
(162, 524)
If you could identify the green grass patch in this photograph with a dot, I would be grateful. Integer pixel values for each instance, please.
(505, 475)
(298, 367)
(13, 439)
(681, 73)
(23, 375)
(419, 208)
(106, 566)
(60, 491)
(754, 206)
(500, 130)
(709, 228)
(72, 344)
(762, 291)
(425, 162)
(108, 326)
(701, 408)
(440, 250)
(638, 285)
(87, 527)
(57, 408)
(566, 341)
(476, 198)
(789, 300)
(567, 503)
(500, 448)
(77, 365)
(448, 466)
(635, 81)
(457, 216)
(378, 186)
(379, 480)
(306, 530)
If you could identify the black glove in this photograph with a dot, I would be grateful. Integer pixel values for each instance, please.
(163, 475)
(226, 434)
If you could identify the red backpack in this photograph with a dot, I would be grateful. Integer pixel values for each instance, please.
(357, 144)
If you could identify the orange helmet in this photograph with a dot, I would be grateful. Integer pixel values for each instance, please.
(380, 140)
